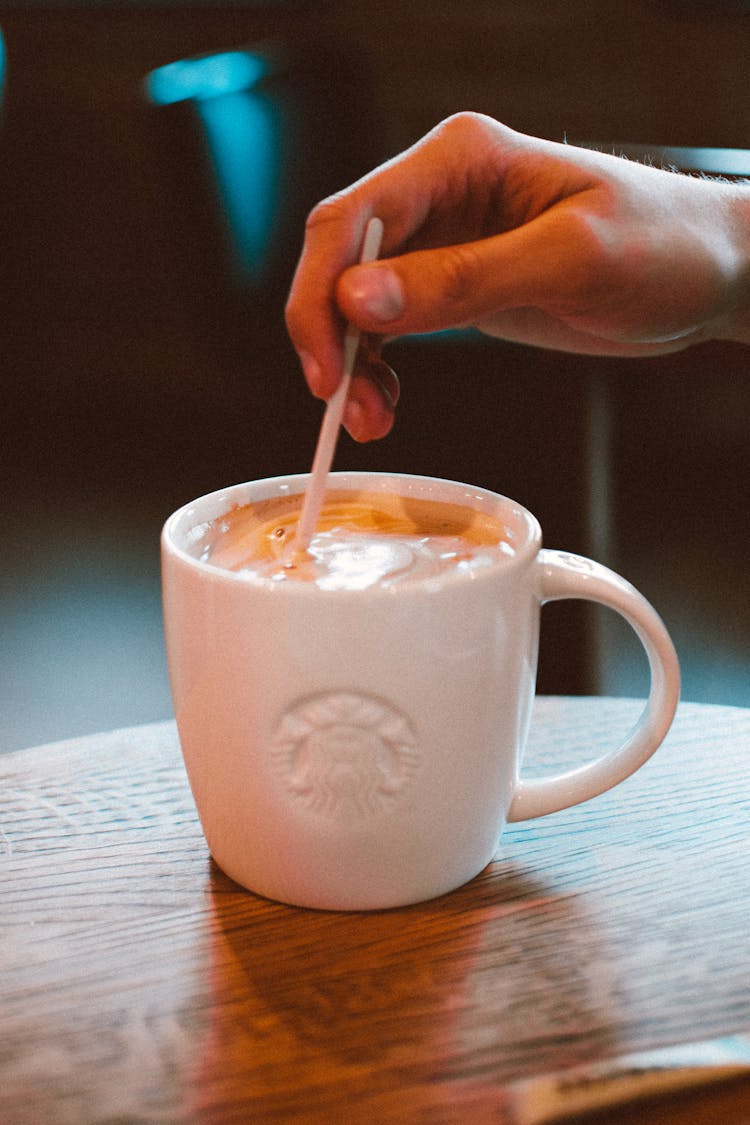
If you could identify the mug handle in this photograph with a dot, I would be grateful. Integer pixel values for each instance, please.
(563, 575)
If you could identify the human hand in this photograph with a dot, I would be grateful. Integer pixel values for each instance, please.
(528, 240)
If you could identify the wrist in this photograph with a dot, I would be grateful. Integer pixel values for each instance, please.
(734, 324)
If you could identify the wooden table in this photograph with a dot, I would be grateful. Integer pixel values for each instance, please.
(139, 984)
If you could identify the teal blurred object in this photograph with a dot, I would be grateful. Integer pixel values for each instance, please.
(242, 135)
(2, 69)
(207, 76)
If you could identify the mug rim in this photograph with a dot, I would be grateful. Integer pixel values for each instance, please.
(211, 505)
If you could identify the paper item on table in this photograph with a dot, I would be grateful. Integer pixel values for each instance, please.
(628, 1079)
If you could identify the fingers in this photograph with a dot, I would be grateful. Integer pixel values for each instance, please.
(426, 291)
(373, 395)
(314, 321)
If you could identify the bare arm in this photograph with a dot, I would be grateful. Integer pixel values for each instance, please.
(526, 239)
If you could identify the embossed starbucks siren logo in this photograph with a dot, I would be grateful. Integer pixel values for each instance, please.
(345, 754)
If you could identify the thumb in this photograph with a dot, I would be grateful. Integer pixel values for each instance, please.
(430, 290)
(538, 263)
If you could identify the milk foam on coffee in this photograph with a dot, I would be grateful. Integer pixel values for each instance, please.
(363, 539)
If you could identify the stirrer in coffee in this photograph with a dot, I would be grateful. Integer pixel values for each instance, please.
(334, 413)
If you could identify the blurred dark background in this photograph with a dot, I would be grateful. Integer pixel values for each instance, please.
(157, 162)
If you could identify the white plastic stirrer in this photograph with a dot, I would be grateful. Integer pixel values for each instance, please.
(334, 412)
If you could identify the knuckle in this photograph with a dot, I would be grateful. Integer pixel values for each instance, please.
(471, 133)
(335, 209)
(459, 268)
(465, 124)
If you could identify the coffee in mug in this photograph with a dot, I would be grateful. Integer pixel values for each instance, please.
(362, 539)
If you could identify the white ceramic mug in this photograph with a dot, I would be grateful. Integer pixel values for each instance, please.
(362, 749)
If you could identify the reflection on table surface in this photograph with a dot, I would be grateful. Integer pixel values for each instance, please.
(141, 984)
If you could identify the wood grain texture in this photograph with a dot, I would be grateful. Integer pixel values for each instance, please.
(139, 984)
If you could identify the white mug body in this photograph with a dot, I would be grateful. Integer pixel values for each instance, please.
(356, 749)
